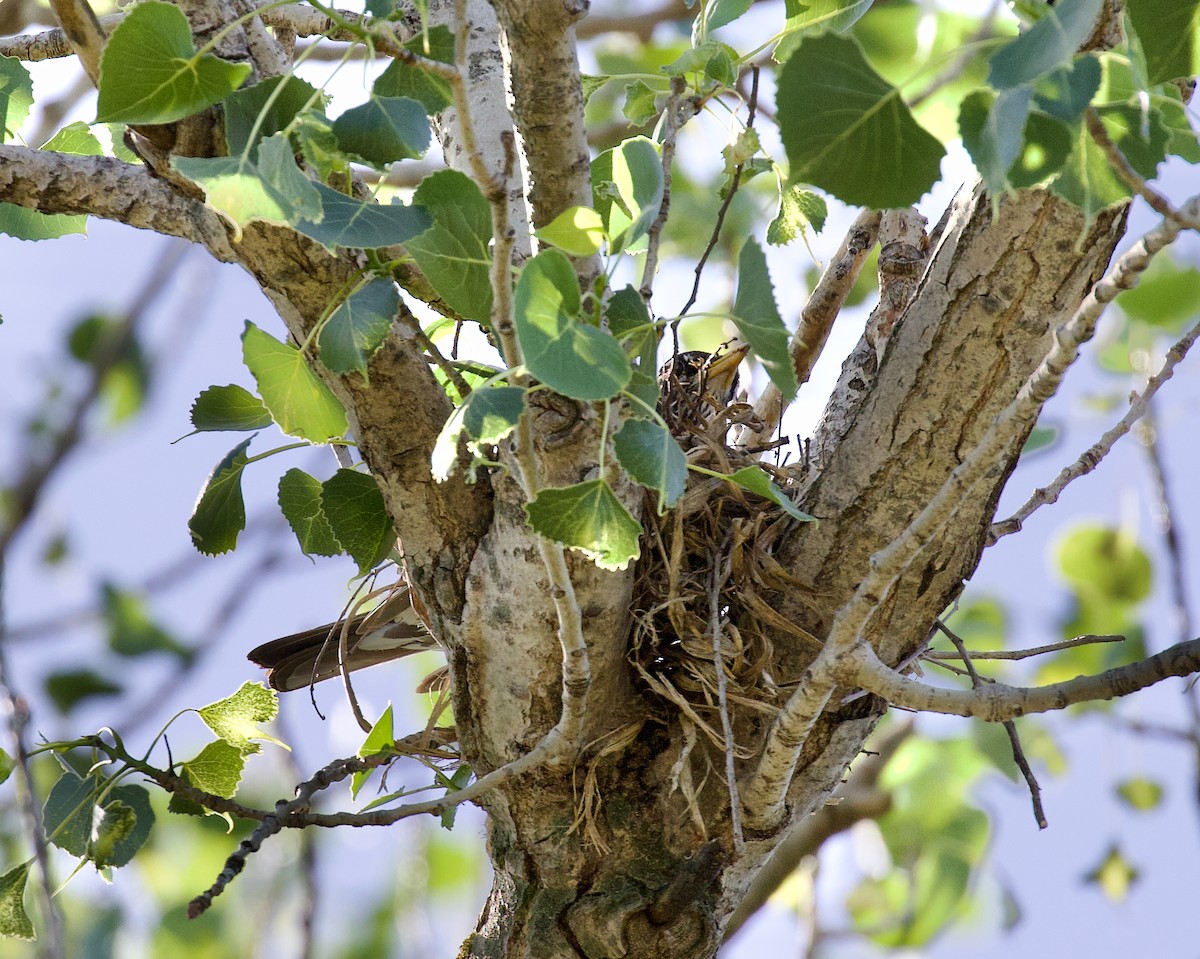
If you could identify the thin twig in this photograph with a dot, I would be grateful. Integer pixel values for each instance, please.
(1014, 654)
(1010, 727)
(1134, 180)
(1092, 456)
(735, 182)
(673, 120)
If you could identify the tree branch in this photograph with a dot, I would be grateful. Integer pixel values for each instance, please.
(997, 702)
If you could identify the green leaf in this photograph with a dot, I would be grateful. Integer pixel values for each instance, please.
(453, 251)
(577, 231)
(571, 357)
(300, 502)
(313, 135)
(1087, 179)
(14, 920)
(992, 129)
(1114, 874)
(629, 321)
(721, 12)
(235, 719)
(7, 765)
(798, 209)
(354, 507)
(358, 327)
(1040, 438)
(650, 454)
(299, 402)
(488, 415)
(130, 628)
(589, 518)
(755, 479)
(430, 90)
(381, 738)
(220, 514)
(73, 819)
(16, 97)
(848, 131)
(1046, 46)
(349, 222)
(273, 189)
(639, 103)
(151, 73)
(627, 188)
(384, 130)
(271, 105)
(462, 775)
(817, 16)
(1066, 93)
(1140, 794)
(758, 321)
(1167, 30)
(217, 769)
(68, 688)
(104, 343)
(228, 408)
(1106, 563)
(1044, 152)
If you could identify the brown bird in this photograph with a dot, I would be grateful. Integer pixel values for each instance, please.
(694, 387)
(390, 631)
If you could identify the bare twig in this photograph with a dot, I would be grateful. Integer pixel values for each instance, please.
(734, 182)
(1092, 456)
(720, 574)
(1014, 654)
(673, 119)
(1010, 727)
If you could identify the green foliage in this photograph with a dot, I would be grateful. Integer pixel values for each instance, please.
(346, 222)
(650, 454)
(1140, 794)
(1168, 31)
(838, 117)
(151, 73)
(381, 738)
(14, 920)
(627, 186)
(1114, 874)
(486, 416)
(25, 224)
(220, 514)
(229, 407)
(358, 327)
(354, 507)
(384, 130)
(298, 401)
(453, 251)
(571, 357)
(300, 503)
(93, 819)
(401, 79)
(16, 96)
(758, 321)
(588, 518)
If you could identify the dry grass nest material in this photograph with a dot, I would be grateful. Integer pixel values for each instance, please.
(707, 576)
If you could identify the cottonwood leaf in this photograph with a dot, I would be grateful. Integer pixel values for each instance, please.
(229, 407)
(264, 109)
(384, 130)
(236, 718)
(216, 769)
(568, 355)
(453, 251)
(14, 920)
(299, 402)
(381, 738)
(401, 79)
(300, 503)
(346, 222)
(151, 72)
(1048, 45)
(358, 327)
(650, 454)
(758, 321)
(1167, 30)
(25, 224)
(755, 479)
(589, 518)
(577, 231)
(16, 96)
(220, 513)
(627, 189)
(848, 131)
(354, 507)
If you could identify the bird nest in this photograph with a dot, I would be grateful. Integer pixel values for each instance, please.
(703, 599)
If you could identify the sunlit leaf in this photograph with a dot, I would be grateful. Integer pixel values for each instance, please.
(577, 231)
(848, 131)
(236, 719)
(755, 479)
(381, 738)
(220, 513)
(151, 73)
(14, 920)
(1140, 793)
(229, 408)
(299, 402)
(589, 518)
